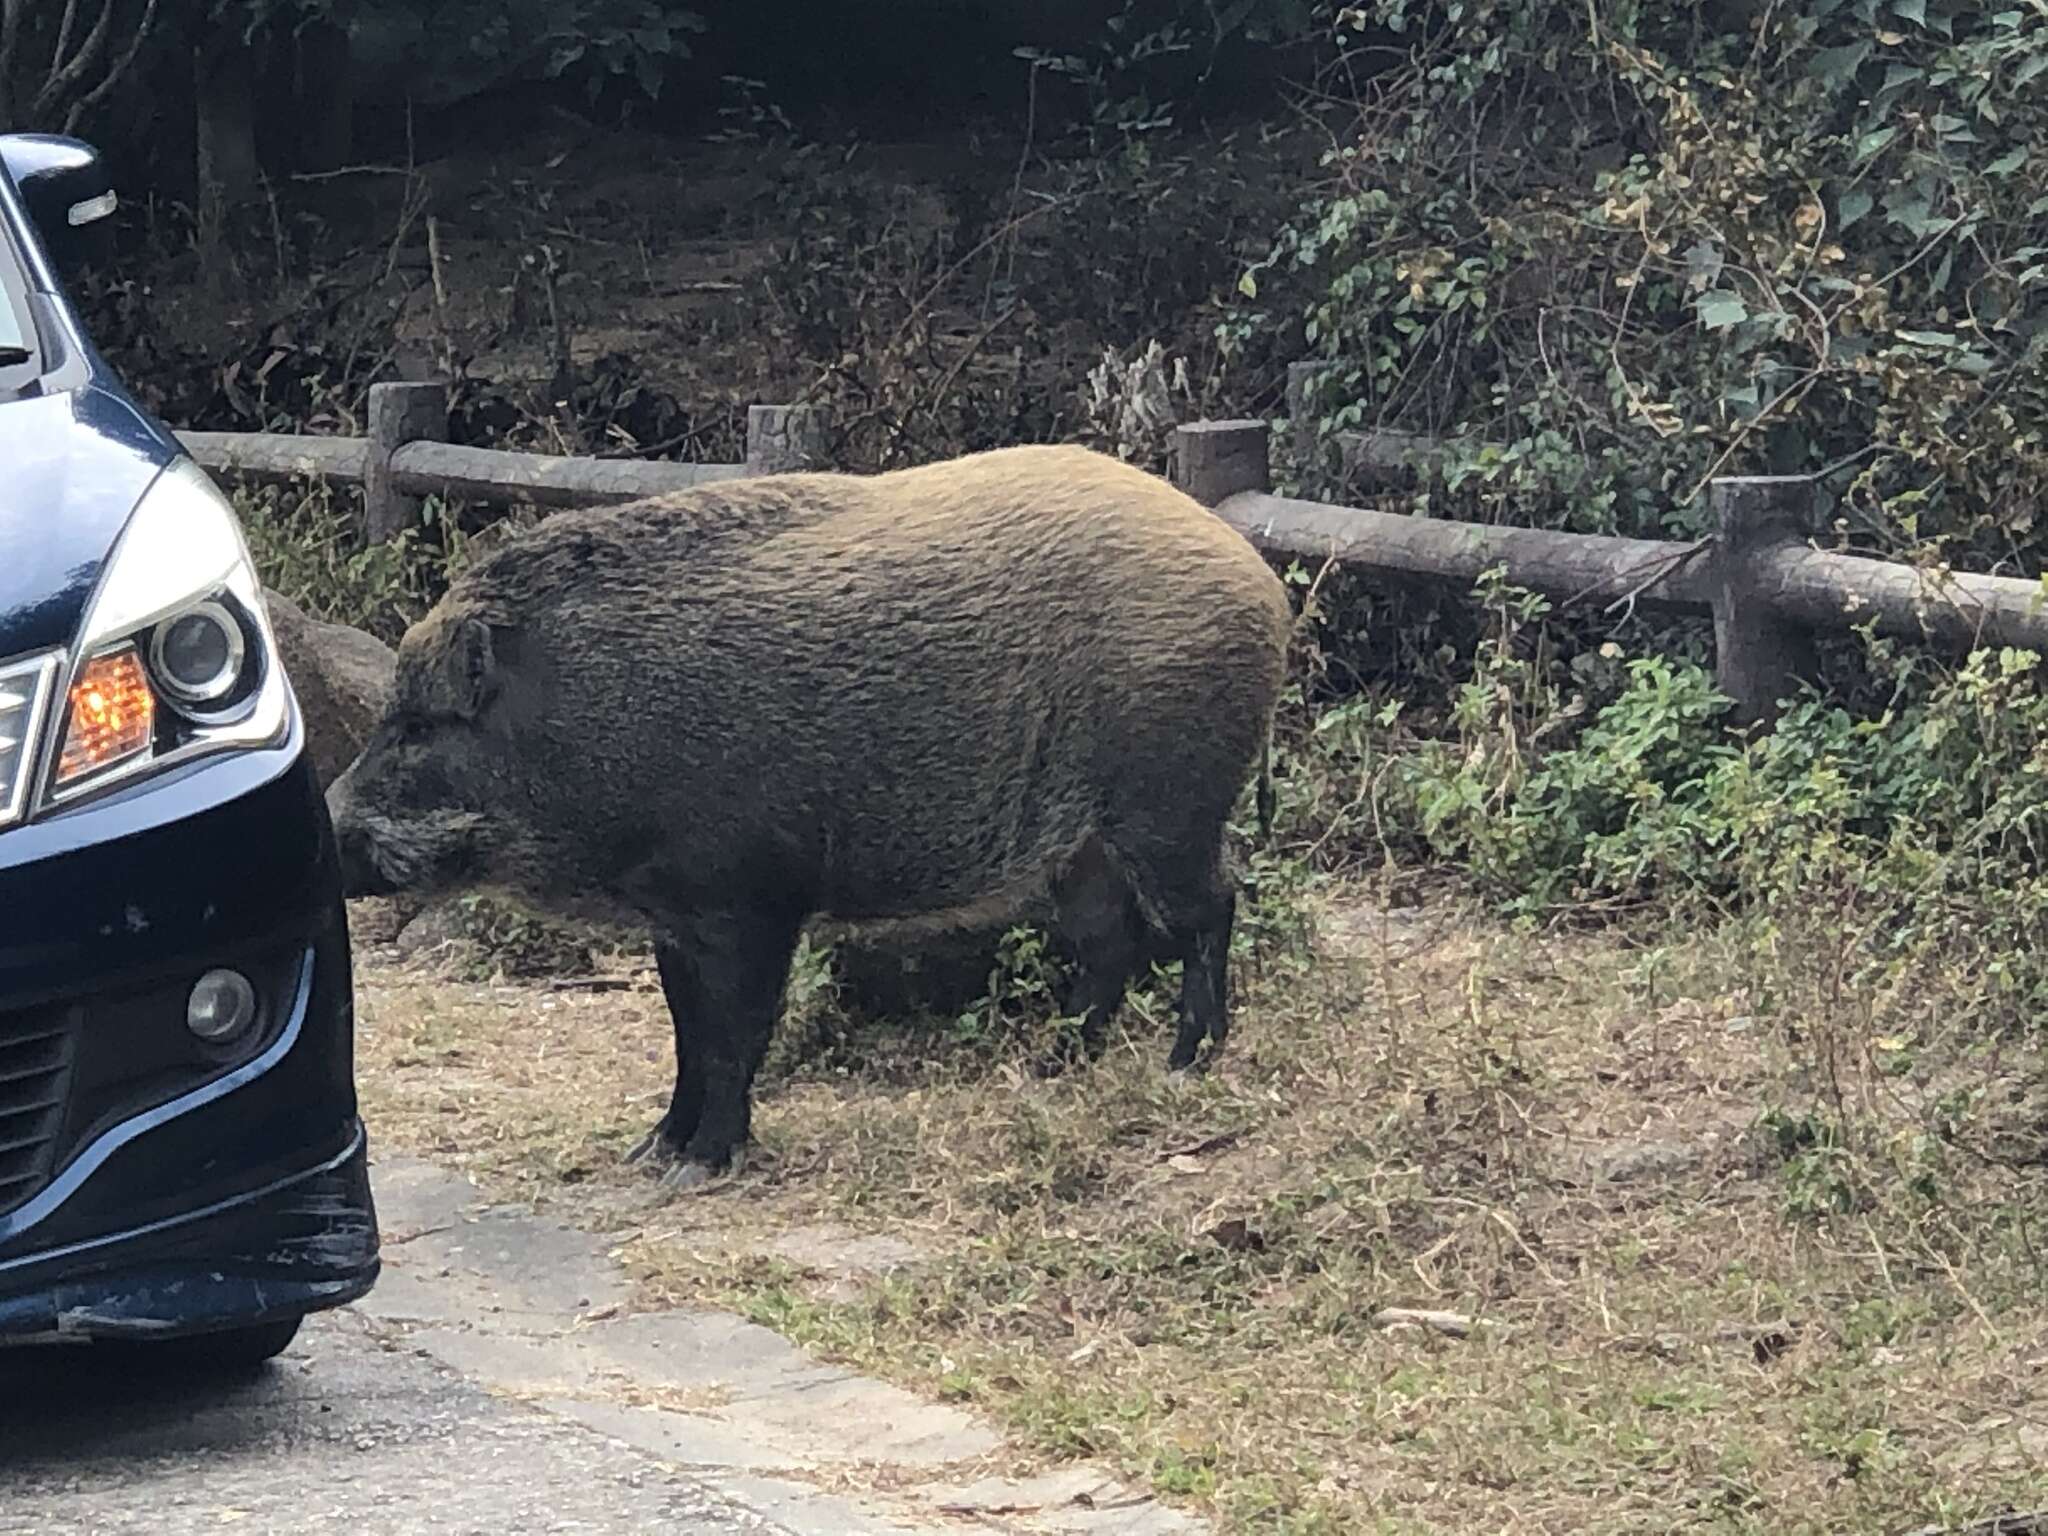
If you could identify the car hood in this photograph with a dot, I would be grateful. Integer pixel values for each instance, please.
(72, 467)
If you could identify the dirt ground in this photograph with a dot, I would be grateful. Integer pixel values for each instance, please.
(1471, 1230)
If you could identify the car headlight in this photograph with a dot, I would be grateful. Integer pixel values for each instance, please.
(175, 657)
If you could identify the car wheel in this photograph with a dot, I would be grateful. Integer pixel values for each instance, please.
(231, 1352)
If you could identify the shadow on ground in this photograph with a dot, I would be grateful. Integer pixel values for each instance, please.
(87, 1406)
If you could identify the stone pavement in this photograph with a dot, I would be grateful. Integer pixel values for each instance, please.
(496, 1383)
(534, 1310)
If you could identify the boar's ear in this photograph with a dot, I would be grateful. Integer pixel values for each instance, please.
(472, 667)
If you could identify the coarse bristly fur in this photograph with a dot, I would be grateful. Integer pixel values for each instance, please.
(926, 699)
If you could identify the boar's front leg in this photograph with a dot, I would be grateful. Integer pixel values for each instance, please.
(672, 1132)
(723, 975)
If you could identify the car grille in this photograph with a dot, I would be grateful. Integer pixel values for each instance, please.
(24, 700)
(35, 1082)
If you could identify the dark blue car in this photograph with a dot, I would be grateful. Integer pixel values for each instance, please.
(181, 1159)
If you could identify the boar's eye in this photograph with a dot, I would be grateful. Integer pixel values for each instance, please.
(405, 731)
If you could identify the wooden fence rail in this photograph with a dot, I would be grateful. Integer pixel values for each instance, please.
(1765, 586)
(406, 459)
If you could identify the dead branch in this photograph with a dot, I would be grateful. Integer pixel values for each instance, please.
(66, 74)
(10, 49)
(1452, 1325)
(123, 67)
(2034, 1523)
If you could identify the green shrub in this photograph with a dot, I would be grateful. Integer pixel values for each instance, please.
(308, 547)
(1607, 251)
(1912, 840)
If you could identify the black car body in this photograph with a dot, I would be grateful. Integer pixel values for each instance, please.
(180, 1150)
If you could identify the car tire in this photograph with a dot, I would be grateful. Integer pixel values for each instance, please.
(230, 1352)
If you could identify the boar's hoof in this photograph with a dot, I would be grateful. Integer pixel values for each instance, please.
(1192, 1059)
(693, 1174)
(688, 1176)
(677, 1170)
(654, 1147)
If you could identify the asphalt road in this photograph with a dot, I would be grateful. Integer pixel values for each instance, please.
(346, 1432)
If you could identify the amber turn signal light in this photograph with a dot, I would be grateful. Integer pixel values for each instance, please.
(112, 715)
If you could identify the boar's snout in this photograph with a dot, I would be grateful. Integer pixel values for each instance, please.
(360, 875)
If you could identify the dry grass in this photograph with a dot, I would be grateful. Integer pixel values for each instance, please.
(1693, 1313)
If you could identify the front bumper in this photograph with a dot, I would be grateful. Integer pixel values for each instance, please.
(306, 1243)
(176, 1188)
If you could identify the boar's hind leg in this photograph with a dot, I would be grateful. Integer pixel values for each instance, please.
(1097, 921)
(724, 975)
(1205, 983)
(1200, 908)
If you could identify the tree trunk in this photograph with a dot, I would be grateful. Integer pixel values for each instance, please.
(223, 72)
(326, 98)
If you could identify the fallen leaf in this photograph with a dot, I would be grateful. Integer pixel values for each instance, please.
(1207, 1144)
(1237, 1236)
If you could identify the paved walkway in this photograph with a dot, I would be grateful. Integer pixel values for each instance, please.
(493, 1382)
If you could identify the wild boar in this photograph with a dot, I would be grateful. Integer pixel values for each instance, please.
(912, 702)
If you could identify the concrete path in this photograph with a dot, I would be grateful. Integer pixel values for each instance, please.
(495, 1382)
(346, 1434)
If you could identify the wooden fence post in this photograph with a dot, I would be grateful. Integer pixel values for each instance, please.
(1301, 422)
(399, 414)
(1758, 655)
(782, 438)
(1214, 460)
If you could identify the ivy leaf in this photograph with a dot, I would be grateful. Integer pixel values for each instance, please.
(1874, 142)
(1909, 208)
(1835, 66)
(2005, 165)
(1914, 11)
(1854, 204)
(1719, 309)
(1703, 265)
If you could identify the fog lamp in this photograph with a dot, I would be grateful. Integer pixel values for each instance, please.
(222, 1005)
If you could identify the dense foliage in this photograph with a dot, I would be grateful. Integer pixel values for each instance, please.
(1610, 250)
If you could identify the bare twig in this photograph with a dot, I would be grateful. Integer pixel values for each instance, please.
(64, 28)
(116, 76)
(2033, 1523)
(342, 171)
(65, 74)
(1452, 1325)
(1017, 184)
(10, 49)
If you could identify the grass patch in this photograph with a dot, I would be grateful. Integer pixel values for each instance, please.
(1736, 1271)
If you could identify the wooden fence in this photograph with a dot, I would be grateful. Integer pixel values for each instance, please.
(1759, 577)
